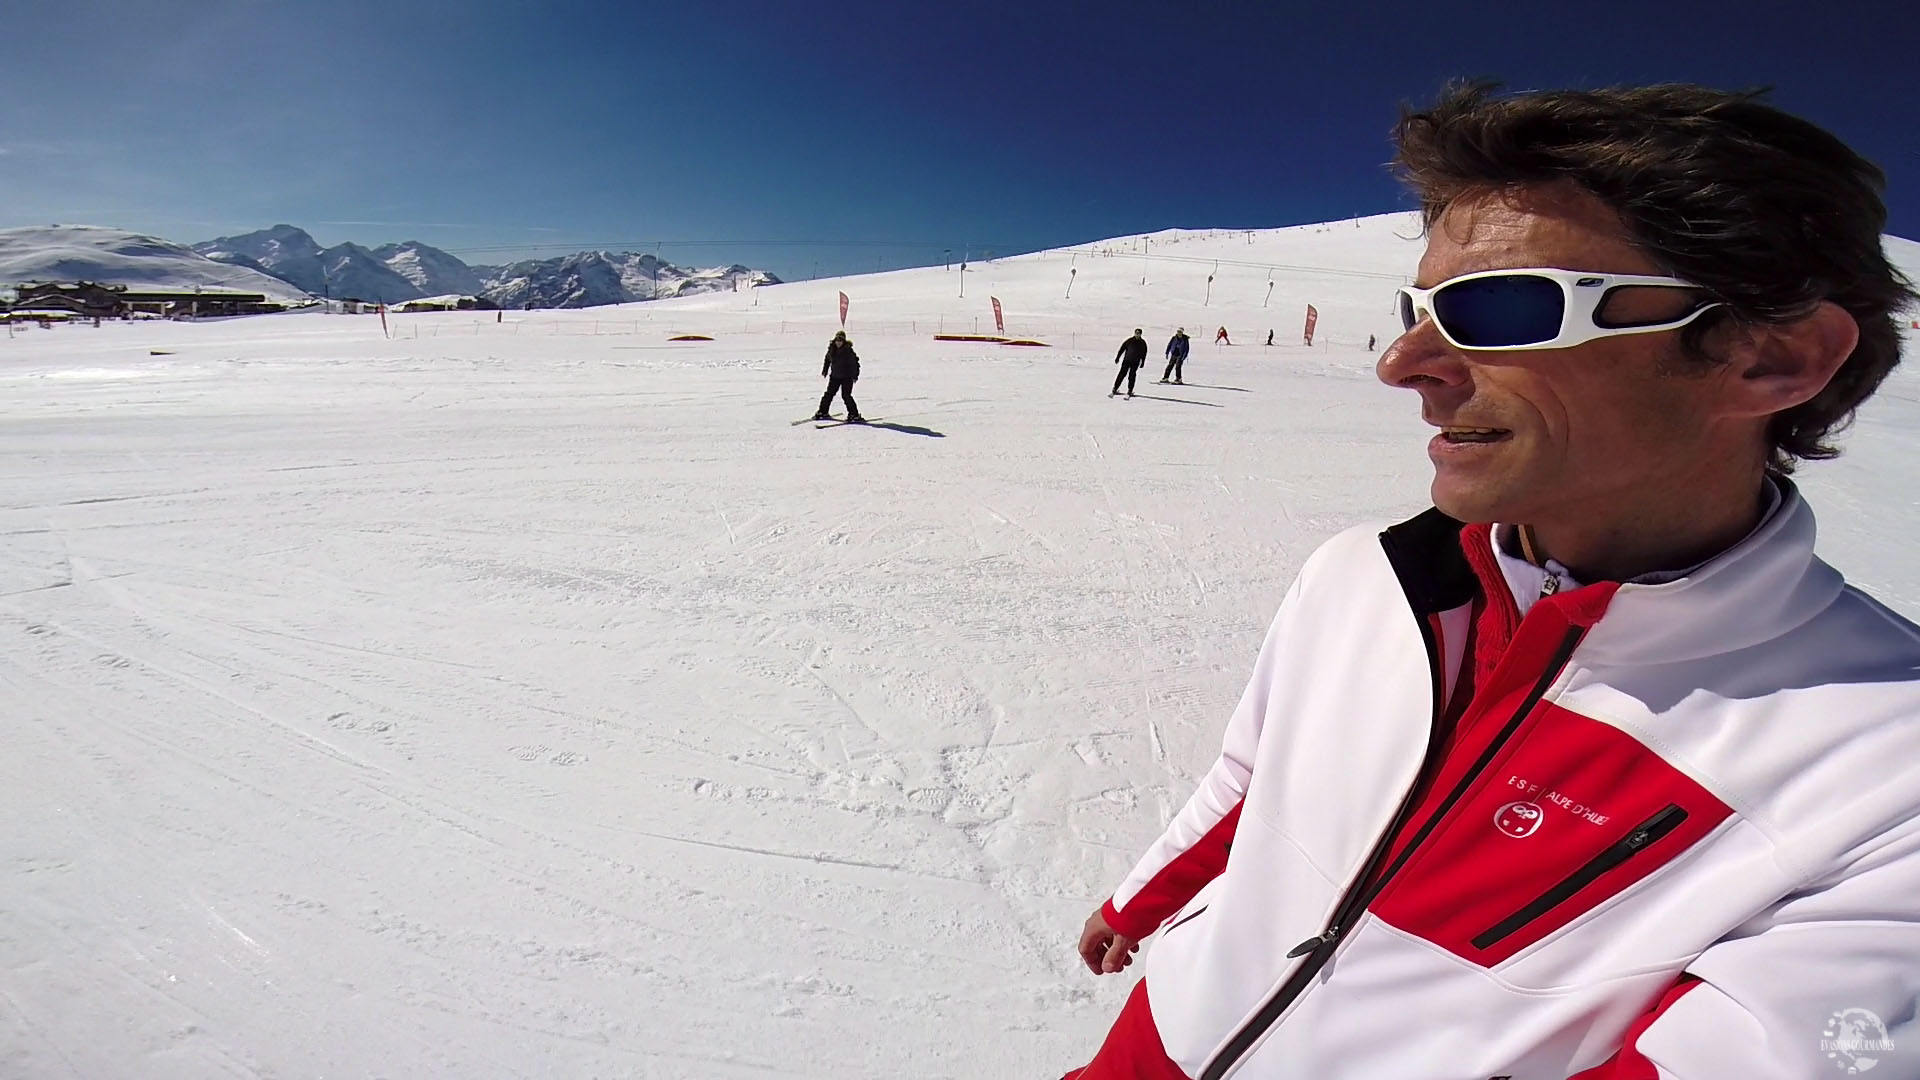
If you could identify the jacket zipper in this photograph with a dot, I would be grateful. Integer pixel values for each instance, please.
(1320, 949)
(1635, 842)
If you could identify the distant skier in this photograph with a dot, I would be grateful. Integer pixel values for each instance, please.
(1133, 353)
(1269, 337)
(1370, 340)
(1176, 356)
(841, 369)
(1221, 337)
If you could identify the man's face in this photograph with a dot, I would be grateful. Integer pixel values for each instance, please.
(1554, 436)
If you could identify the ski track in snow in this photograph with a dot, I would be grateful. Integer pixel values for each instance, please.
(396, 707)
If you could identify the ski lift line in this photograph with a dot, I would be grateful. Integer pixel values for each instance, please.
(634, 245)
(1287, 267)
(1089, 250)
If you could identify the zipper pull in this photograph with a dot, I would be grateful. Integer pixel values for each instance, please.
(1313, 943)
(1549, 586)
(1651, 830)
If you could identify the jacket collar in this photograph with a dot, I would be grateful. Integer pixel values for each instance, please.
(1756, 590)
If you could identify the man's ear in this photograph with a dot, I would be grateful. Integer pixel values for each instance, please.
(1773, 368)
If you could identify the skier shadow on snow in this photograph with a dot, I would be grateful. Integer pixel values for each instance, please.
(906, 429)
(1205, 386)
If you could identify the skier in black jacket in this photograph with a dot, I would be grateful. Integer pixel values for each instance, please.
(1133, 353)
(841, 369)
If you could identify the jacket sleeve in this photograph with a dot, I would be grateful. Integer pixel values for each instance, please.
(1814, 986)
(826, 362)
(1193, 850)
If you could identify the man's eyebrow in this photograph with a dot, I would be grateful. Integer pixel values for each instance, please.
(1497, 264)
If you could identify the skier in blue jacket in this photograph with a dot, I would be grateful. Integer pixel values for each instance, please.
(1176, 356)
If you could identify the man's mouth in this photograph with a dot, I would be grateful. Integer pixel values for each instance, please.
(1455, 434)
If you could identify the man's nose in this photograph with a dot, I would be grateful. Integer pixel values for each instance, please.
(1421, 356)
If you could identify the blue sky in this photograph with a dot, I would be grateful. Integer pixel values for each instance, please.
(837, 137)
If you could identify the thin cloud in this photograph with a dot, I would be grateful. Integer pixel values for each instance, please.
(40, 149)
(442, 225)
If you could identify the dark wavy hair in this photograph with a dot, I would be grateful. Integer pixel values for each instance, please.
(1765, 211)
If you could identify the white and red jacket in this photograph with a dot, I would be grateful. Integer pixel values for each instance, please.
(1645, 831)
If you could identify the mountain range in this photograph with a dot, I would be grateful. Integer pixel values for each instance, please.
(118, 257)
(395, 273)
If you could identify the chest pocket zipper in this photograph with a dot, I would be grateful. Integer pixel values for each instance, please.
(1184, 920)
(1636, 841)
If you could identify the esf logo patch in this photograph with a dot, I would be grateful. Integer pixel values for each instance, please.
(1518, 819)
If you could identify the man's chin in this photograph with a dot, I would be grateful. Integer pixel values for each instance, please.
(1469, 503)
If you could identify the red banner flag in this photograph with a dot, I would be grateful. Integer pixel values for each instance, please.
(999, 320)
(1312, 317)
(843, 309)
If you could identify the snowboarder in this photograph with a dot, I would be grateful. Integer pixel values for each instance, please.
(1176, 356)
(1133, 353)
(1221, 336)
(841, 369)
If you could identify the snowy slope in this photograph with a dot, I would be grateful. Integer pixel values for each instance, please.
(1904, 254)
(534, 697)
(117, 257)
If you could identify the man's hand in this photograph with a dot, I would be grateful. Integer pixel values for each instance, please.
(1105, 949)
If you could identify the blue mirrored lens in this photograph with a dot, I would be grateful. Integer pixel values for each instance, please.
(1493, 311)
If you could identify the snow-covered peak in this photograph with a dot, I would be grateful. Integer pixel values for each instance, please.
(268, 247)
(432, 271)
(593, 278)
(394, 273)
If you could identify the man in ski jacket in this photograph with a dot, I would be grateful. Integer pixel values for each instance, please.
(841, 369)
(1594, 770)
(1176, 356)
(1133, 353)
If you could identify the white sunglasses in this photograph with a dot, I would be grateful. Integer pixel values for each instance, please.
(1531, 308)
